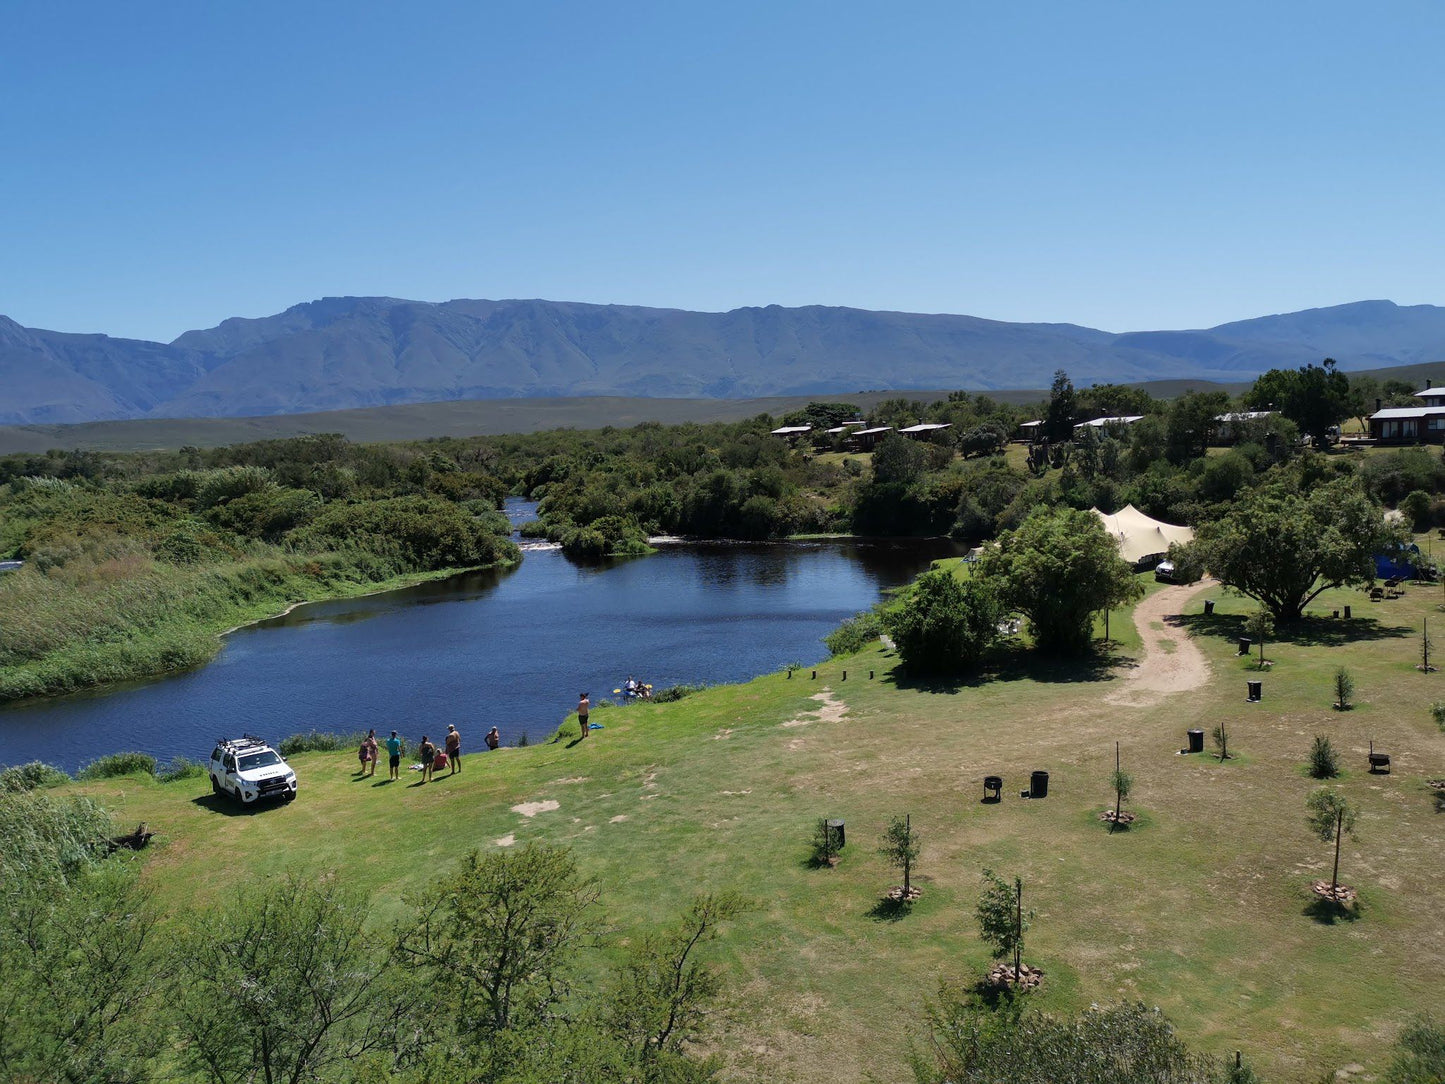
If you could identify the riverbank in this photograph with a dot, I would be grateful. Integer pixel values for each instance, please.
(1202, 909)
(146, 619)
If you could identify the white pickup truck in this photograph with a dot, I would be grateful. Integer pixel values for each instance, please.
(249, 770)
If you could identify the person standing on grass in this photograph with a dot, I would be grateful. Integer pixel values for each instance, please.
(369, 753)
(428, 753)
(454, 750)
(494, 739)
(584, 707)
(393, 749)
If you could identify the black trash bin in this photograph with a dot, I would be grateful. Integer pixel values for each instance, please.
(1039, 785)
(992, 788)
(1347, 613)
(1209, 606)
(835, 829)
(1244, 642)
(1196, 741)
(1256, 691)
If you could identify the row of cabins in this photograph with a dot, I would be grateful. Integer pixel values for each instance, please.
(861, 440)
(1388, 425)
(1223, 433)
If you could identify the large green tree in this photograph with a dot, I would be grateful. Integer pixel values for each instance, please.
(1283, 547)
(1189, 422)
(285, 985)
(1062, 409)
(944, 625)
(1060, 568)
(1314, 397)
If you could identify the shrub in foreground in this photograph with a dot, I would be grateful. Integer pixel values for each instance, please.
(32, 776)
(1127, 1044)
(108, 767)
(316, 741)
(853, 635)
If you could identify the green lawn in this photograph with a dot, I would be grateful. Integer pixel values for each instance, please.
(1202, 909)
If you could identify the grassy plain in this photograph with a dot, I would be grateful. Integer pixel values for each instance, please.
(1202, 909)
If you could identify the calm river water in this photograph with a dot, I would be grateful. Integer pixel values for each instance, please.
(507, 649)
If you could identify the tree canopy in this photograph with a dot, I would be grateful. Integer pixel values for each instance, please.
(1283, 547)
(1314, 397)
(1060, 567)
(944, 625)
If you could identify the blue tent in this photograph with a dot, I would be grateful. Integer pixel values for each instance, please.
(1397, 563)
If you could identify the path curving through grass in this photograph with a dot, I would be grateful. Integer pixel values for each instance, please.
(1171, 661)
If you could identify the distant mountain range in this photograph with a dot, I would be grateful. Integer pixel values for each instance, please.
(345, 352)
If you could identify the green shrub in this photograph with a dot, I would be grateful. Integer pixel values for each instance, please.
(32, 776)
(319, 742)
(108, 767)
(944, 626)
(1419, 1054)
(1324, 760)
(181, 768)
(675, 692)
(1188, 566)
(418, 532)
(853, 635)
(44, 836)
(1437, 712)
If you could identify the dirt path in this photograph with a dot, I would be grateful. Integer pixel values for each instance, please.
(1171, 662)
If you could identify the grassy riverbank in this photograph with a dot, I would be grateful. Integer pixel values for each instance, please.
(1203, 909)
(122, 619)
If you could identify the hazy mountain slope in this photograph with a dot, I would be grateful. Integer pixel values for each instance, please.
(349, 352)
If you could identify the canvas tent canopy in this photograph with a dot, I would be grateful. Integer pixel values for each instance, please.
(1142, 538)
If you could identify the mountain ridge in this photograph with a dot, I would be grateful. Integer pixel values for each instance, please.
(339, 353)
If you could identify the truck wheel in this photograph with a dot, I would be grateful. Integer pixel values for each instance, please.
(215, 785)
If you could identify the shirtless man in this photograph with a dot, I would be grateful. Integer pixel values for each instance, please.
(584, 707)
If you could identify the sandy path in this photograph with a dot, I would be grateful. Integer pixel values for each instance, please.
(1171, 662)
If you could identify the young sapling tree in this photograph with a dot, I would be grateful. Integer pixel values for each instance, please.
(825, 844)
(1122, 783)
(1344, 689)
(1260, 627)
(900, 847)
(1425, 646)
(1220, 737)
(1330, 813)
(1324, 760)
(1002, 921)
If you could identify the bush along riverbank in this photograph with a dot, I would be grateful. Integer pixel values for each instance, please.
(126, 579)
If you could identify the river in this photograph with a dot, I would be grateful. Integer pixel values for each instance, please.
(510, 649)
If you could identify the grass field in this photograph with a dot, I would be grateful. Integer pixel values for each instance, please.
(1202, 908)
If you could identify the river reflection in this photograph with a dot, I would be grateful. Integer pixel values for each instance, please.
(506, 648)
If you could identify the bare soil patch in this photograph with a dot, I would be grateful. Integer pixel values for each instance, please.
(830, 710)
(531, 809)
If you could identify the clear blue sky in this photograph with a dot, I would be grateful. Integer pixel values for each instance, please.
(1126, 165)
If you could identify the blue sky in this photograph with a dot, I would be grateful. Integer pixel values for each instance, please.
(1124, 165)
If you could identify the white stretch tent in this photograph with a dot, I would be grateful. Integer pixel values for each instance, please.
(1141, 537)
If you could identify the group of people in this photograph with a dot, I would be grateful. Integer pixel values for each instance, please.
(638, 689)
(432, 758)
